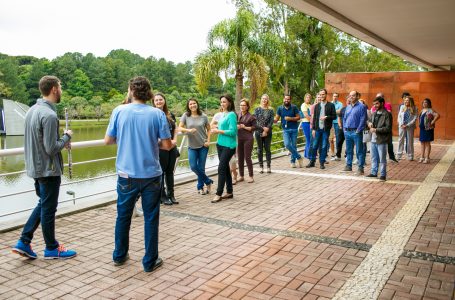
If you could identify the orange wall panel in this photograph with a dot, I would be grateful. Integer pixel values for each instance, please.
(438, 86)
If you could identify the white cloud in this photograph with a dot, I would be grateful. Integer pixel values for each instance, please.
(173, 29)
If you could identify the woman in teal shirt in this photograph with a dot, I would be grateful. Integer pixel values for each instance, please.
(226, 144)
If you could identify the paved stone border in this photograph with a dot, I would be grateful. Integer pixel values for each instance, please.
(263, 229)
(372, 274)
(449, 260)
(345, 177)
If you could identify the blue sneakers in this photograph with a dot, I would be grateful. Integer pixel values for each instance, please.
(59, 253)
(24, 250)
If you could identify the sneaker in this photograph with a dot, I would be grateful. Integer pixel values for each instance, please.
(24, 250)
(360, 172)
(269, 170)
(394, 160)
(209, 188)
(167, 201)
(261, 170)
(158, 263)
(337, 159)
(59, 253)
(355, 162)
(300, 161)
(333, 158)
(137, 212)
(201, 192)
(347, 169)
(121, 261)
(321, 166)
(372, 176)
(382, 178)
(293, 165)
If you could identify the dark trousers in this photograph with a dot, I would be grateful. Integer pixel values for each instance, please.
(224, 172)
(244, 149)
(167, 162)
(263, 143)
(47, 189)
(340, 141)
(390, 150)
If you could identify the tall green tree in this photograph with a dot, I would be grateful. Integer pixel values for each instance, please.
(80, 85)
(11, 80)
(233, 47)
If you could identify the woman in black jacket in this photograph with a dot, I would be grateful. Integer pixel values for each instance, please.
(167, 158)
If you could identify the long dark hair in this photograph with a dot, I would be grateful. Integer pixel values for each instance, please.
(230, 100)
(188, 111)
(165, 109)
(428, 101)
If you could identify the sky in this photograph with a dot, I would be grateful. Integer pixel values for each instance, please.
(175, 30)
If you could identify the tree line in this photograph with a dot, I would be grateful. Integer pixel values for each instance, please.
(273, 50)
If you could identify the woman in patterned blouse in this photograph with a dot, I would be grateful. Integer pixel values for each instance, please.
(264, 120)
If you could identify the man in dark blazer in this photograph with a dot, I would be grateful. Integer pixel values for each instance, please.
(324, 114)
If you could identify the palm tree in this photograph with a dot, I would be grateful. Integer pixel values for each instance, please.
(233, 47)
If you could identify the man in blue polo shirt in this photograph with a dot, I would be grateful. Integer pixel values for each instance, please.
(354, 122)
(334, 132)
(289, 114)
(139, 130)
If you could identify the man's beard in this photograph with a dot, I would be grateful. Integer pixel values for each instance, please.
(287, 104)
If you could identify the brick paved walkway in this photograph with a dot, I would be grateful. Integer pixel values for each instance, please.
(293, 234)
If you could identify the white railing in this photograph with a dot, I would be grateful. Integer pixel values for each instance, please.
(97, 143)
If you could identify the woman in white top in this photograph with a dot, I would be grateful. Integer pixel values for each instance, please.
(407, 117)
(305, 125)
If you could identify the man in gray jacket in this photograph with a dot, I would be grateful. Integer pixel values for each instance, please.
(44, 163)
(380, 124)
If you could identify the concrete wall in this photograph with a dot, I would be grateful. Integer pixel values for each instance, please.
(438, 86)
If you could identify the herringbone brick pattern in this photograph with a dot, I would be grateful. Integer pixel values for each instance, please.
(285, 236)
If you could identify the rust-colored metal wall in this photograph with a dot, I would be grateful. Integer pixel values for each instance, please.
(438, 86)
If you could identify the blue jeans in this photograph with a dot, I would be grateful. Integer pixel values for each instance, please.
(379, 158)
(127, 190)
(47, 189)
(197, 158)
(353, 138)
(336, 127)
(320, 141)
(307, 131)
(290, 142)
